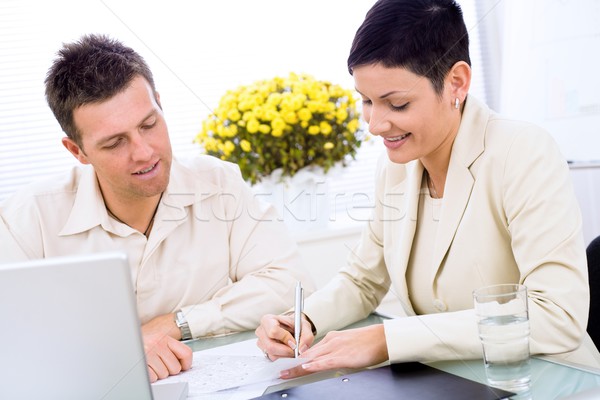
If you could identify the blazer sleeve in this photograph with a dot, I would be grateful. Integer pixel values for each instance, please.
(358, 288)
(544, 223)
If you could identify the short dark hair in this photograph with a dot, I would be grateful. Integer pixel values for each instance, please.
(427, 37)
(91, 70)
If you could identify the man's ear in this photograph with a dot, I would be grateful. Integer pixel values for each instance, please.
(75, 150)
(459, 80)
(157, 99)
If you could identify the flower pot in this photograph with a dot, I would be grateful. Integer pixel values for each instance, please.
(302, 201)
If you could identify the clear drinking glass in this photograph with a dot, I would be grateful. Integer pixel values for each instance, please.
(503, 322)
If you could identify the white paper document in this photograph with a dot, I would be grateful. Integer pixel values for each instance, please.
(233, 372)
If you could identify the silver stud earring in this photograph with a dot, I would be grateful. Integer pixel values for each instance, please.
(456, 103)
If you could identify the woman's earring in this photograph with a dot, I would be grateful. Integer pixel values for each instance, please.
(456, 103)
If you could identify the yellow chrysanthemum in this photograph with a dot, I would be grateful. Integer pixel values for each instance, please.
(259, 112)
(252, 126)
(304, 114)
(229, 147)
(226, 148)
(290, 117)
(264, 128)
(278, 123)
(225, 132)
(325, 128)
(270, 114)
(341, 114)
(352, 125)
(228, 101)
(274, 99)
(221, 113)
(306, 121)
(201, 136)
(210, 144)
(314, 130)
(234, 114)
(245, 145)
(336, 91)
(313, 106)
(322, 96)
(208, 125)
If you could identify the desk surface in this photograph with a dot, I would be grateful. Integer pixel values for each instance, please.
(549, 380)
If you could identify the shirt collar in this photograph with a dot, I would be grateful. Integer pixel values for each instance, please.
(88, 208)
(185, 188)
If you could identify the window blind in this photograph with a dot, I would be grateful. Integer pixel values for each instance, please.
(197, 51)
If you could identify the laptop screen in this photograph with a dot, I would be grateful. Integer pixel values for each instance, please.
(70, 330)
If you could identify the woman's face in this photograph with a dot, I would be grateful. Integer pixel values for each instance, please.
(404, 109)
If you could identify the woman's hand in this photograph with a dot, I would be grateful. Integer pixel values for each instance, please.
(353, 348)
(276, 336)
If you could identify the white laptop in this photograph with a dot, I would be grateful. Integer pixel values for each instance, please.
(69, 330)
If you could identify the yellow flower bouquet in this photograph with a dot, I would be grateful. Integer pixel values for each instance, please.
(283, 124)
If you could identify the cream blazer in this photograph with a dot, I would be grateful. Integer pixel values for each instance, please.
(509, 215)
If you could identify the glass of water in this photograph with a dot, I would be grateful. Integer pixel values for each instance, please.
(503, 323)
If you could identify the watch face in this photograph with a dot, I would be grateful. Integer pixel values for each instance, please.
(179, 319)
(183, 326)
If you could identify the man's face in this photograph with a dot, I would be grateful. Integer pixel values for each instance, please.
(126, 140)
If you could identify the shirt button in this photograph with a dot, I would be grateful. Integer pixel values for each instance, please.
(439, 305)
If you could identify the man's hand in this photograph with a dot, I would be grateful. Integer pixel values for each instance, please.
(276, 336)
(165, 354)
(353, 348)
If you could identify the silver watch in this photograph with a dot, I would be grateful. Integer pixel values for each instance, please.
(183, 325)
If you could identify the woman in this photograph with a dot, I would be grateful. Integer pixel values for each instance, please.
(465, 199)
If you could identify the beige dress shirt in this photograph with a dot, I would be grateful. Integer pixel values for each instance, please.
(509, 215)
(215, 251)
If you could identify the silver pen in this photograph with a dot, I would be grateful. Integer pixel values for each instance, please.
(298, 316)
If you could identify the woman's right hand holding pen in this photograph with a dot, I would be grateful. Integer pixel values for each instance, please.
(276, 336)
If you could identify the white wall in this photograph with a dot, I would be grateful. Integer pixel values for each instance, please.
(325, 252)
(551, 70)
(586, 181)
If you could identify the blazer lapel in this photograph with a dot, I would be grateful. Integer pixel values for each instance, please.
(468, 146)
(406, 228)
(404, 197)
(458, 188)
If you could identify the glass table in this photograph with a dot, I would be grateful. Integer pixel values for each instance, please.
(549, 379)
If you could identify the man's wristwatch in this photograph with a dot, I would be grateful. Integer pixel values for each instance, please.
(183, 325)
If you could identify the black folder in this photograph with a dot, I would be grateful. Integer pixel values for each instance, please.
(396, 381)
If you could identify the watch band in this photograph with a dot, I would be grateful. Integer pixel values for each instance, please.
(183, 325)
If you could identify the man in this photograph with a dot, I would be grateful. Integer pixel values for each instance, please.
(206, 257)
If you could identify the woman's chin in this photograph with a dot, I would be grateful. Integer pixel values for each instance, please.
(398, 157)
